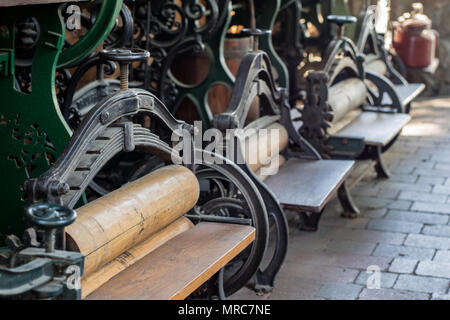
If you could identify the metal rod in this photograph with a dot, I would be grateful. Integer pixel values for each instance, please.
(211, 218)
(124, 76)
(147, 43)
(251, 5)
(50, 239)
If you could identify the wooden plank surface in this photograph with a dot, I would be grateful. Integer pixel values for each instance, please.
(180, 266)
(92, 282)
(15, 3)
(308, 185)
(406, 93)
(376, 128)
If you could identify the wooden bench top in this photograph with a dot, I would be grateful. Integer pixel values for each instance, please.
(308, 184)
(180, 266)
(376, 128)
(406, 93)
(15, 3)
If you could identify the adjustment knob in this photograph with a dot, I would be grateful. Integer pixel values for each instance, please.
(50, 217)
(124, 57)
(340, 21)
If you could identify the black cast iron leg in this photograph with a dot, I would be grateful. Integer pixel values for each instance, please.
(380, 167)
(345, 198)
(264, 279)
(309, 221)
(408, 108)
(220, 288)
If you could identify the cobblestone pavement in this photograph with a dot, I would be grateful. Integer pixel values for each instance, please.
(404, 229)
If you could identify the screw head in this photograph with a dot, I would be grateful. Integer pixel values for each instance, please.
(104, 116)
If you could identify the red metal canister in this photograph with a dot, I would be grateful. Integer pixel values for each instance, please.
(414, 40)
(417, 44)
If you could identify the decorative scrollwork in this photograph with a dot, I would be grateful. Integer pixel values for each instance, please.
(166, 29)
(62, 80)
(316, 115)
(341, 61)
(75, 105)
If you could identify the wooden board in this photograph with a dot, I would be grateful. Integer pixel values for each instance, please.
(15, 3)
(180, 266)
(95, 280)
(376, 128)
(406, 93)
(308, 185)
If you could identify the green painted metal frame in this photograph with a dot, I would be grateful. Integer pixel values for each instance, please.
(32, 129)
(266, 12)
(104, 24)
(218, 74)
(267, 21)
(33, 132)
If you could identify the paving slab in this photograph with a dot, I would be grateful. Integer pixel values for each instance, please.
(402, 237)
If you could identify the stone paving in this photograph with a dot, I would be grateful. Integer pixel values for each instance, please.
(403, 231)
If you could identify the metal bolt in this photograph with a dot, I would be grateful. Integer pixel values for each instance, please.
(105, 115)
(124, 76)
(124, 57)
(59, 188)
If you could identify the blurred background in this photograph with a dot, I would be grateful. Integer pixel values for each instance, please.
(439, 13)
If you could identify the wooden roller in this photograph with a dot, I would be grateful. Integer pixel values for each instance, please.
(270, 170)
(98, 278)
(345, 96)
(375, 64)
(108, 226)
(259, 149)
